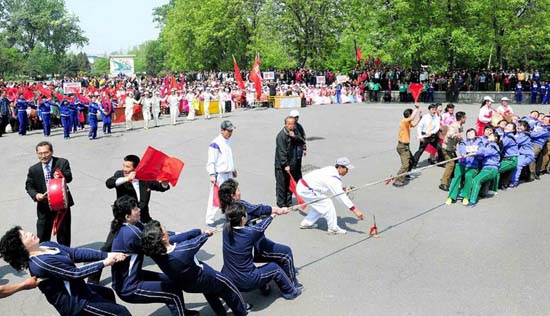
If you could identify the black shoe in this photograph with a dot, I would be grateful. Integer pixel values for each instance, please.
(248, 307)
(398, 184)
(444, 187)
(408, 177)
(190, 312)
(537, 177)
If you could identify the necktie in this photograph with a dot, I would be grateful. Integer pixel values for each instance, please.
(47, 174)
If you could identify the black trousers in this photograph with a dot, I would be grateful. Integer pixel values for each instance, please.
(4, 120)
(282, 180)
(44, 227)
(432, 140)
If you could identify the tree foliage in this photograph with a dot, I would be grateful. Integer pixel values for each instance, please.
(446, 34)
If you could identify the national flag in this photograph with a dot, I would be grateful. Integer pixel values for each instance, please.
(238, 76)
(157, 166)
(415, 89)
(256, 77)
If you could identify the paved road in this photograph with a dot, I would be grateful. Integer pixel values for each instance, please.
(431, 259)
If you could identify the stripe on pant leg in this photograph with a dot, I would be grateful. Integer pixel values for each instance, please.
(165, 295)
(231, 286)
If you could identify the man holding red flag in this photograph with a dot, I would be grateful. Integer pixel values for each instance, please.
(220, 167)
(125, 183)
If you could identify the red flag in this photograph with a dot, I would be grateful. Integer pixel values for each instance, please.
(358, 54)
(157, 166)
(46, 92)
(238, 76)
(255, 76)
(173, 83)
(59, 96)
(28, 94)
(292, 188)
(216, 196)
(378, 61)
(12, 93)
(416, 88)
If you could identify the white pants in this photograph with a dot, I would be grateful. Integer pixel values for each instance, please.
(191, 115)
(173, 114)
(146, 119)
(128, 116)
(207, 110)
(156, 117)
(210, 209)
(324, 208)
(221, 107)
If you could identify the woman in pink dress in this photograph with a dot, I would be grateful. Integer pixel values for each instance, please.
(485, 114)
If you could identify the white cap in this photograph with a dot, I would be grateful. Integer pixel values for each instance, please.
(294, 113)
(504, 99)
(488, 98)
(344, 162)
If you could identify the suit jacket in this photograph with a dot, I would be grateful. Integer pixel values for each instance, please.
(127, 188)
(286, 149)
(36, 183)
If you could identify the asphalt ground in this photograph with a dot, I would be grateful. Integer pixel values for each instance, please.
(430, 259)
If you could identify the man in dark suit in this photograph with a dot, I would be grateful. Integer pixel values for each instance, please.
(125, 183)
(36, 186)
(286, 160)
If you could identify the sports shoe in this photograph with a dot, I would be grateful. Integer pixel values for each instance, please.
(298, 285)
(465, 201)
(337, 231)
(248, 307)
(312, 226)
(449, 201)
(265, 290)
(292, 296)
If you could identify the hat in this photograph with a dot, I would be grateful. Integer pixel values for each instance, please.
(344, 162)
(294, 113)
(504, 99)
(488, 98)
(227, 125)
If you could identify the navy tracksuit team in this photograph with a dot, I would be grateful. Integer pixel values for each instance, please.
(63, 282)
(134, 285)
(194, 276)
(93, 109)
(21, 106)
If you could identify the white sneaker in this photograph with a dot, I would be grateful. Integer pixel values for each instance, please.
(312, 226)
(337, 231)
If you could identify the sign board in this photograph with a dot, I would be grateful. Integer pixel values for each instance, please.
(342, 78)
(269, 75)
(321, 79)
(72, 87)
(121, 64)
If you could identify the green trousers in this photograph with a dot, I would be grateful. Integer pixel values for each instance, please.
(462, 179)
(507, 165)
(486, 174)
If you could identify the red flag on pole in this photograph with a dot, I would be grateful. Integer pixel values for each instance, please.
(238, 76)
(292, 188)
(256, 77)
(157, 166)
(416, 88)
(358, 54)
(47, 93)
(216, 196)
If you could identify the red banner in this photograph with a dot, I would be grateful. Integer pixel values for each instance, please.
(157, 166)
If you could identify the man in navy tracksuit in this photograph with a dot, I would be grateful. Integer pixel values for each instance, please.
(45, 112)
(21, 105)
(539, 136)
(265, 250)
(176, 257)
(238, 261)
(62, 281)
(74, 115)
(93, 109)
(130, 282)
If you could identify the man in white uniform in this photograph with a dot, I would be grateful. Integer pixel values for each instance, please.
(173, 102)
(129, 110)
(146, 103)
(155, 106)
(220, 165)
(322, 183)
(207, 96)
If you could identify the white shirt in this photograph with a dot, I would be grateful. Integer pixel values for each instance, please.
(501, 110)
(485, 114)
(146, 102)
(220, 156)
(426, 122)
(327, 180)
(135, 184)
(173, 100)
